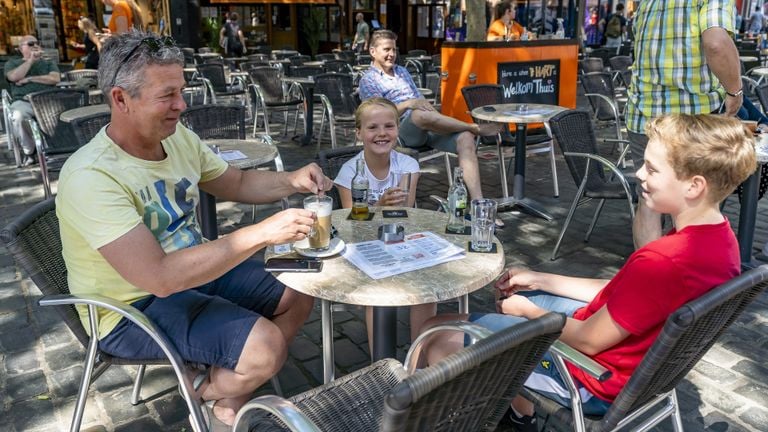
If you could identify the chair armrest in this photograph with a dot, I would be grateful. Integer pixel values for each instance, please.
(580, 360)
(441, 201)
(623, 153)
(134, 315)
(281, 408)
(474, 331)
(326, 105)
(610, 101)
(606, 163)
(257, 91)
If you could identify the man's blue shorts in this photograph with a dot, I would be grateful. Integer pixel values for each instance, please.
(208, 324)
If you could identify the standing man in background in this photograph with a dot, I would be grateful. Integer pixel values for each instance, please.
(756, 21)
(28, 74)
(685, 62)
(614, 27)
(360, 41)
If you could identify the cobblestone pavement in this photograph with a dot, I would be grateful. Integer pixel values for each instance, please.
(42, 362)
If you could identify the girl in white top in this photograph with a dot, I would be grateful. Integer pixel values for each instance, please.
(377, 126)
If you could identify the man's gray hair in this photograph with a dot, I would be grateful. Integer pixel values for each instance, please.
(130, 71)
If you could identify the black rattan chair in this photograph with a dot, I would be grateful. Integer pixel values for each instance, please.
(336, 94)
(54, 141)
(338, 66)
(591, 64)
(84, 77)
(325, 57)
(467, 391)
(33, 240)
(268, 95)
(599, 89)
(364, 59)
(687, 335)
(416, 53)
(492, 94)
(215, 121)
(85, 128)
(304, 71)
(215, 79)
(299, 60)
(573, 132)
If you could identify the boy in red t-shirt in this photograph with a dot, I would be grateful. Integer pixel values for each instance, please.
(692, 163)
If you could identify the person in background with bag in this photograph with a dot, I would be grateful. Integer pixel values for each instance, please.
(614, 27)
(231, 37)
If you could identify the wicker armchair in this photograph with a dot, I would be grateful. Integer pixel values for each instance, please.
(85, 128)
(467, 391)
(336, 94)
(214, 78)
(33, 240)
(83, 74)
(687, 335)
(346, 55)
(54, 142)
(215, 121)
(304, 71)
(575, 135)
(591, 64)
(268, 95)
(338, 66)
(325, 57)
(598, 88)
(492, 94)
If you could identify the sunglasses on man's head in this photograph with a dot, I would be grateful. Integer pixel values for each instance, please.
(153, 43)
(32, 43)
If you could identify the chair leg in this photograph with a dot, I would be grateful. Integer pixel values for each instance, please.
(464, 304)
(568, 218)
(320, 131)
(266, 121)
(327, 330)
(594, 219)
(677, 420)
(82, 394)
(555, 185)
(333, 132)
(136, 393)
(285, 117)
(448, 173)
(275, 381)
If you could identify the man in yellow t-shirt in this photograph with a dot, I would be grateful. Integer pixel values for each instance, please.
(126, 207)
(505, 27)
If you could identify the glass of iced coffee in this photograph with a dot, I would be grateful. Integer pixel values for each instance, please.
(320, 235)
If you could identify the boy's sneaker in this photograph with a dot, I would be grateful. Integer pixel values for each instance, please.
(518, 423)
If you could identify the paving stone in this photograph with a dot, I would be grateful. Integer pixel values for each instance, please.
(755, 417)
(356, 331)
(21, 387)
(117, 377)
(142, 424)
(717, 422)
(348, 354)
(715, 373)
(292, 379)
(120, 410)
(66, 383)
(64, 357)
(302, 348)
(756, 371)
(21, 362)
(754, 391)
(721, 400)
(31, 414)
(13, 303)
(171, 409)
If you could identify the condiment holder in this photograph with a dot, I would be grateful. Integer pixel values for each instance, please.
(391, 233)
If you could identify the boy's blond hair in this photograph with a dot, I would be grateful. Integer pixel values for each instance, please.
(370, 103)
(378, 35)
(716, 147)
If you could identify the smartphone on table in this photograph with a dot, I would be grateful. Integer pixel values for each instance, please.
(304, 265)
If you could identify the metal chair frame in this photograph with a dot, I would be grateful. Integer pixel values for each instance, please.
(10, 136)
(265, 103)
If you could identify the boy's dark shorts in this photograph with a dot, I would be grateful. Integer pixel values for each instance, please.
(208, 324)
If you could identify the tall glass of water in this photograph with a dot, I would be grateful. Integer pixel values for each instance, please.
(483, 213)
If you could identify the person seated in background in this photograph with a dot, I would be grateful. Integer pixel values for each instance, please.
(691, 163)
(420, 123)
(126, 207)
(28, 74)
(376, 126)
(505, 28)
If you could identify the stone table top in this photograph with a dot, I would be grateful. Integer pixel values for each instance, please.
(517, 113)
(75, 113)
(257, 151)
(340, 281)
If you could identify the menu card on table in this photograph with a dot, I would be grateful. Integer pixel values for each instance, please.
(419, 250)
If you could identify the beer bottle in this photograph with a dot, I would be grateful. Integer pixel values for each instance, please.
(457, 202)
(360, 192)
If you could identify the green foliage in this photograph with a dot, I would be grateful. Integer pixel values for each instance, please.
(210, 32)
(312, 25)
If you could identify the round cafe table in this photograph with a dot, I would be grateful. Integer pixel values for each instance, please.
(521, 115)
(340, 281)
(256, 152)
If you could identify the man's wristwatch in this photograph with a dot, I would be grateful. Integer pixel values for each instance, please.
(737, 94)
